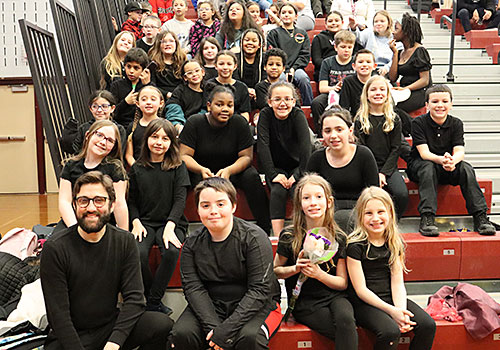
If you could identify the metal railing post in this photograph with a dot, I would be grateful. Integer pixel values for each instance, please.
(419, 9)
(449, 75)
(385, 4)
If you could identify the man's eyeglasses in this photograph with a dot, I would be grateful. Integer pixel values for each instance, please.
(83, 202)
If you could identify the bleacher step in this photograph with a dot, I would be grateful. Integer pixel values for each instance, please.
(466, 73)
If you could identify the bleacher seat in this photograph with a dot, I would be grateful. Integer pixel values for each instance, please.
(493, 50)
(479, 257)
(450, 199)
(480, 39)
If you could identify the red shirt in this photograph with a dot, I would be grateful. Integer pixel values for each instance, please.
(134, 27)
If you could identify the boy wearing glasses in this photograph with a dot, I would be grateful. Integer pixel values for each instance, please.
(85, 267)
(151, 28)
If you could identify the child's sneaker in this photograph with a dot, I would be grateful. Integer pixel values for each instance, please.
(483, 226)
(427, 227)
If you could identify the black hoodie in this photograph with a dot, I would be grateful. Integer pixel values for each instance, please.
(321, 48)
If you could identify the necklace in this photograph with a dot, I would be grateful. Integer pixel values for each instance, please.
(290, 33)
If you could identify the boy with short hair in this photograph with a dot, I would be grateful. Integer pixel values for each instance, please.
(437, 158)
(151, 28)
(274, 65)
(352, 86)
(333, 71)
(134, 12)
(126, 89)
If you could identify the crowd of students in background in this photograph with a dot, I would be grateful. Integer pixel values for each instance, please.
(183, 102)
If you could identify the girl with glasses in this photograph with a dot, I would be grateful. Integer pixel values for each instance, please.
(101, 151)
(283, 146)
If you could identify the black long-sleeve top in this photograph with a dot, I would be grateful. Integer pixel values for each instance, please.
(321, 48)
(165, 80)
(226, 283)
(350, 94)
(81, 282)
(350, 180)
(157, 196)
(385, 146)
(124, 113)
(283, 144)
(296, 45)
(191, 101)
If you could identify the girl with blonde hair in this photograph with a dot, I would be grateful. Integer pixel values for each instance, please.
(376, 263)
(380, 129)
(111, 66)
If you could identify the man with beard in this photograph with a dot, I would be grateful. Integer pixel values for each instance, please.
(85, 267)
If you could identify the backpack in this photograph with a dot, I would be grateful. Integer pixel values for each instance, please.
(19, 242)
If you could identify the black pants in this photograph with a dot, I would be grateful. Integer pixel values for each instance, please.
(399, 192)
(188, 333)
(279, 196)
(428, 175)
(414, 102)
(249, 181)
(345, 216)
(465, 16)
(335, 322)
(318, 106)
(150, 333)
(154, 288)
(386, 329)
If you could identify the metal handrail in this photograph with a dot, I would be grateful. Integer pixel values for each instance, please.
(419, 9)
(449, 76)
(385, 4)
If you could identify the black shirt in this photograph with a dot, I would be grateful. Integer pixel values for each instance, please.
(261, 92)
(314, 294)
(157, 196)
(124, 113)
(250, 74)
(350, 94)
(216, 147)
(283, 144)
(420, 61)
(165, 80)
(240, 90)
(385, 146)
(226, 283)
(81, 282)
(375, 268)
(296, 44)
(137, 138)
(73, 169)
(143, 45)
(439, 138)
(190, 101)
(333, 71)
(322, 47)
(350, 180)
(210, 73)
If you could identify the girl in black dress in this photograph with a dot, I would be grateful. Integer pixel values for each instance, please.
(376, 263)
(284, 146)
(157, 196)
(412, 64)
(322, 304)
(379, 128)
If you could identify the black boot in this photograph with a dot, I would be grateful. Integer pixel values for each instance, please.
(483, 226)
(427, 227)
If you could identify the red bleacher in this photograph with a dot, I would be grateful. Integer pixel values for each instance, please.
(480, 39)
(449, 336)
(493, 50)
(459, 29)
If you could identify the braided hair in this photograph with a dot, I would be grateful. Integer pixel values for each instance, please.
(411, 29)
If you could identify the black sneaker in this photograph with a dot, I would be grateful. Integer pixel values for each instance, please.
(427, 227)
(159, 308)
(483, 226)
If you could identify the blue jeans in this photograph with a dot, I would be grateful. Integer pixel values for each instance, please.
(302, 81)
(264, 4)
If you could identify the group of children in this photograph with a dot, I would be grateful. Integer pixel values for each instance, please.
(187, 121)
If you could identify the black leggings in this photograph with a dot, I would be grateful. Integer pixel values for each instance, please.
(279, 195)
(336, 321)
(386, 329)
(399, 192)
(154, 288)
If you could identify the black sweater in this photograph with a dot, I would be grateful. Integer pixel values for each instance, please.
(190, 101)
(296, 46)
(384, 146)
(157, 196)
(283, 144)
(321, 48)
(226, 283)
(350, 94)
(81, 282)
